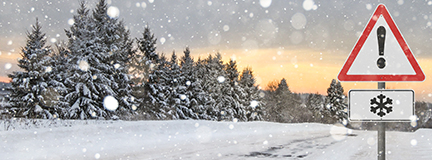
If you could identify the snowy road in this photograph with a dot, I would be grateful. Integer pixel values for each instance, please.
(207, 140)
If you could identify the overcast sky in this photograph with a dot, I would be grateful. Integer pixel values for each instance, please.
(304, 41)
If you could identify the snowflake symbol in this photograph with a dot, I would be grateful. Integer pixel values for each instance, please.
(381, 105)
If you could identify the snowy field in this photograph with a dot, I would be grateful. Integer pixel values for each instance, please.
(202, 140)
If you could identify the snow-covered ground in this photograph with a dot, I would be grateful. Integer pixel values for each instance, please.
(203, 140)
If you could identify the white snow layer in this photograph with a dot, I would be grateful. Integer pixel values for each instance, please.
(188, 139)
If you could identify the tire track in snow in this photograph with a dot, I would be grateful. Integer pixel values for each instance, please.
(299, 148)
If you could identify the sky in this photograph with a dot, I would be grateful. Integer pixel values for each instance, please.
(304, 41)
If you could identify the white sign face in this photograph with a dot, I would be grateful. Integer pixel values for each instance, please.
(381, 105)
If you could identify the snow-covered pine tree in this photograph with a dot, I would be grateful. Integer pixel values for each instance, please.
(232, 71)
(86, 83)
(270, 101)
(216, 85)
(100, 47)
(283, 89)
(236, 91)
(335, 102)
(147, 45)
(251, 97)
(288, 102)
(157, 92)
(315, 103)
(116, 50)
(57, 75)
(189, 89)
(202, 96)
(177, 92)
(279, 102)
(142, 62)
(32, 88)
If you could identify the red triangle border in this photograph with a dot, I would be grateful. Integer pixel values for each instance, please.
(381, 10)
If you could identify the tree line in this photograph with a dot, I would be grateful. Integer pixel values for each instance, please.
(99, 60)
(73, 80)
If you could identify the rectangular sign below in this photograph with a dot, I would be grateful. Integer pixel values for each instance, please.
(381, 105)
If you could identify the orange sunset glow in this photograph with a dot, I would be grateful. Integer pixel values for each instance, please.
(311, 71)
(306, 70)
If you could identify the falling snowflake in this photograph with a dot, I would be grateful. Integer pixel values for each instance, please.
(222, 113)
(265, 3)
(182, 97)
(309, 5)
(8, 66)
(83, 65)
(235, 120)
(93, 114)
(221, 79)
(97, 156)
(48, 69)
(414, 142)
(53, 40)
(116, 66)
(71, 21)
(113, 12)
(226, 28)
(110, 103)
(254, 104)
(162, 40)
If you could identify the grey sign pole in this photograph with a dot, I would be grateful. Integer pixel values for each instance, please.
(381, 132)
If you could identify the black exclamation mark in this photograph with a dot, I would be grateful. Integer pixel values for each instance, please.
(381, 62)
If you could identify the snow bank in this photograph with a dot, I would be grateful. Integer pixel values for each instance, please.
(201, 140)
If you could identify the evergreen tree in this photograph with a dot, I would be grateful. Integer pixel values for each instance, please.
(116, 49)
(176, 91)
(147, 45)
(335, 102)
(283, 97)
(283, 89)
(316, 104)
(203, 100)
(32, 91)
(99, 48)
(236, 92)
(281, 103)
(142, 63)
(252, 100)
(57, 75)
(215, 84)
(86, 83)
(190, 90)
(158, 91)
(232, 71)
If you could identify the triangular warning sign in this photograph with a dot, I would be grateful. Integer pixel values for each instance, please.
(381, 53)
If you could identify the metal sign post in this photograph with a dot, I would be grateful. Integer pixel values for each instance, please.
(381, 132)
(381, 54)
